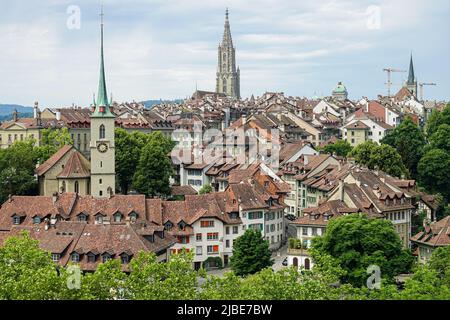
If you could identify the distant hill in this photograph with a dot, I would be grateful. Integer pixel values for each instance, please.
(8, 109)
(151, 103)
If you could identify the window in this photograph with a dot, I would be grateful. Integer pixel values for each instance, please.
(304, 231)
(99, 219)
(106, 258)
(91, 258)
(255, 215)
(207, 224)
(227, 230)
(75, 257)
(183, 239)
(117, 217)
(16, 220)
(102, 132)
(133, 216)
(213, 249)
(125, 258)
(199, 250)
(227, 243)
(82, 217)
(36, 220)
(314, 231)
(235, 230)
(256, 226)
(213, 236)
(77, 187)
(100, 181)
(55, 257)
(198, 237)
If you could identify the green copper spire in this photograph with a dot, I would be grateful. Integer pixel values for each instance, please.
(411, 77)
(102, 106)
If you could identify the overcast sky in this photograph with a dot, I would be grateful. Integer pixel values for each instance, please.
(161, 48)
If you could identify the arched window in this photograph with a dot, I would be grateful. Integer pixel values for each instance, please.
(307, 264)
(224, 85)
(77, 187)
(102, 132)
(295, 262)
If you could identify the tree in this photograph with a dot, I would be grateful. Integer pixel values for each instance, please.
(250, 253)
(17, 165)
(409, 142)
(436, 119)
(356, 242)
(26, 271)
(440, 139)
(52, 140)
(434, 173)
(340, 148)
(152, 280)
(383, 157)
(155, 167)
(128, 152)
(206, 189)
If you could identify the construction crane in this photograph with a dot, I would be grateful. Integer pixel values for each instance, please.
(389, 82)
(421, 88)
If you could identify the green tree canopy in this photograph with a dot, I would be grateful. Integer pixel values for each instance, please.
(383, 157)
(434, 173)
(437, 119)
(250, 253)
(440, 139)
(27, 272)
(51, 141)
(155, 167)
(206, 189)
(356, 242)
(409, 142)
(17, 165)
(128, 152)
(340, 148)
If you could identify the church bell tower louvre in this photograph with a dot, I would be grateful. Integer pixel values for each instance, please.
(103, 173)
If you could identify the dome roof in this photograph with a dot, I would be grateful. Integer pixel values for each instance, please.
(340, 88)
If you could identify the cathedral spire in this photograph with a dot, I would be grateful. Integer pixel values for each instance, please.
(411, 77)
(102, 105)
(227, 40)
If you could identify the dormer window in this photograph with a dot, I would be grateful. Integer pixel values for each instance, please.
(82, 217)
(36, 220)
(117, 217)
(106, 257)
(75, 257)
(91, 257)
(125, 258)
(168, 226)
(56, 257)
(182, 225)
(133, 216)
(17, 220)
(99, 219)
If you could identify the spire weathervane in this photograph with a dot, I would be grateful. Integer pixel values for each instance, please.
(102, 105)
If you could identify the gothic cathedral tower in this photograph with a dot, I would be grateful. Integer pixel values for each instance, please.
(228, 78)
(103, 173)
(411, 83)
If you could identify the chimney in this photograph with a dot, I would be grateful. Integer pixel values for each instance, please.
(341, 190)
(55, 197)
(58, 115)
(35, 110)
(15, 115)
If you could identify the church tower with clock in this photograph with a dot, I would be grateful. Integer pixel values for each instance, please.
(103, 173)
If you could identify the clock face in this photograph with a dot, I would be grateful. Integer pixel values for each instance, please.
(102, 147)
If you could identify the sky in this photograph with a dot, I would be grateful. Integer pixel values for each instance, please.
(164, 49)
